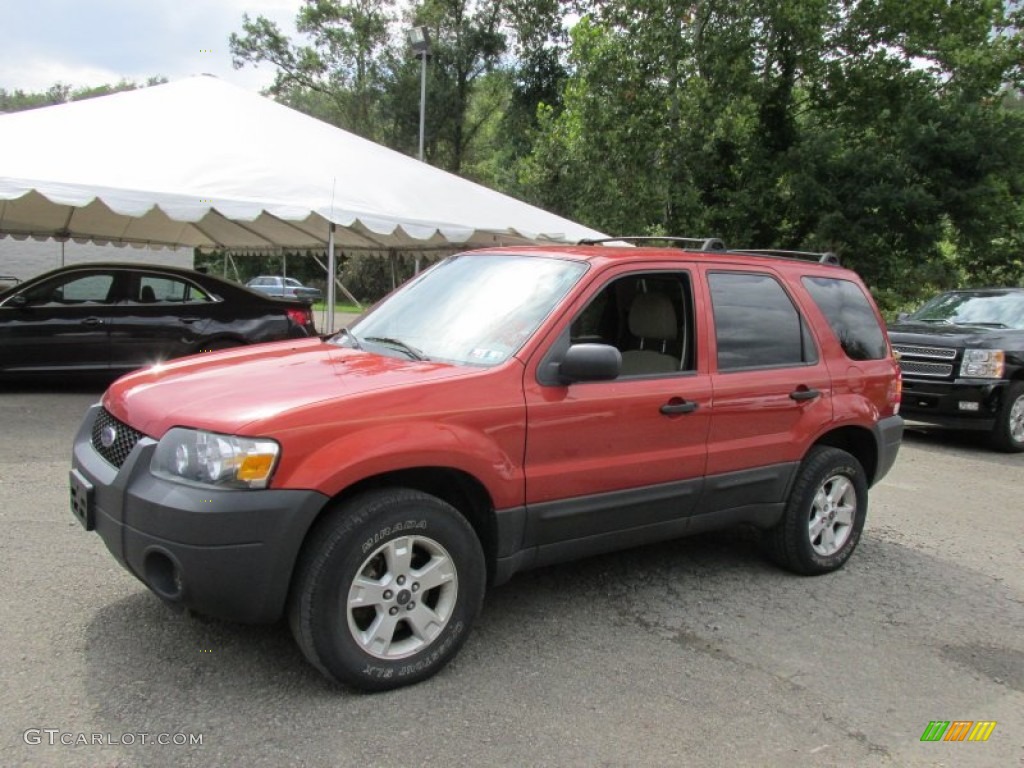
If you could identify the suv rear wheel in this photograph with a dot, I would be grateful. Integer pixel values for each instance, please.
(824, 514)
(387, 588)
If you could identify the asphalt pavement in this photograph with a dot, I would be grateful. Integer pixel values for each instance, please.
(690, 653)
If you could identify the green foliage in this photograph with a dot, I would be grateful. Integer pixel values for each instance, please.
(340, 69)
(60, 93)
(877, 129)
(891, 132)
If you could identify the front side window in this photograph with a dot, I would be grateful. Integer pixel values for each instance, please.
(72, 290)
(850, 316)
(756, 323)
(647, 317)
(472, 309)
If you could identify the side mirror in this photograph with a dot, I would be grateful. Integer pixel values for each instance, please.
(590, 362)
(902, 317)
(16, 302)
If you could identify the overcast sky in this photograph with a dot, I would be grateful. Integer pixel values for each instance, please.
(93, 42)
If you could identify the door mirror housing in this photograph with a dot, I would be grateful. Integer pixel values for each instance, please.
(590, 362)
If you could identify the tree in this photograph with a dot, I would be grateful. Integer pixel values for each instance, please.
(356, 72)
(60, 93)
(875, 129)
(341, 73)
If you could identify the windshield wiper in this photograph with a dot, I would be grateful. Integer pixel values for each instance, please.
(401, 346)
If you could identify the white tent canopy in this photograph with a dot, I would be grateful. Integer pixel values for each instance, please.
(202, 163)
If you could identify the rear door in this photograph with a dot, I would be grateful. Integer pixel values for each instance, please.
(162, 317)
(772, 390)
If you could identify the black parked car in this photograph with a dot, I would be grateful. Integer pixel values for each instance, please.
(962, 356)
(114, 318)
(284, 287)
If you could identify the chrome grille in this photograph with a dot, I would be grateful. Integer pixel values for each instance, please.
(931, 353)
(917, 368)
(125, 438)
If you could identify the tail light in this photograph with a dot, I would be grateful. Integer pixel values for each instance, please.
(896, 387)
(301, 317)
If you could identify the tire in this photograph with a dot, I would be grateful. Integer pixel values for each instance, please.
(824, 514)
(1008, 434)
(387, 588)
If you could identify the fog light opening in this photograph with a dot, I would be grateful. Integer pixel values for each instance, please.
(163, 576)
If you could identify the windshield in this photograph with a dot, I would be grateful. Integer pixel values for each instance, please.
(474, 309)
(998, 310)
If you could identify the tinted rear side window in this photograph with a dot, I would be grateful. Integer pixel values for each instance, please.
(756, 324)
(850, 314)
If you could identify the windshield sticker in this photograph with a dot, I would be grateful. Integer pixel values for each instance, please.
(486, 355)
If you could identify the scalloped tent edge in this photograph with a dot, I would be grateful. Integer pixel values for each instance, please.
(202, 163)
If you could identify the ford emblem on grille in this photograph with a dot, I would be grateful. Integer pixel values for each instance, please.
(108, 435)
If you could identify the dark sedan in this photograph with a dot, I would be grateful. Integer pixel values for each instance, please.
(112, 318)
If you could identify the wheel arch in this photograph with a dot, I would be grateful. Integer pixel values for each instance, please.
(859, 443)
(454, 486)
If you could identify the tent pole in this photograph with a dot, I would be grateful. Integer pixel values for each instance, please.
(332, 270)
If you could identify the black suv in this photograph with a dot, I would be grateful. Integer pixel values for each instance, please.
(962, 356)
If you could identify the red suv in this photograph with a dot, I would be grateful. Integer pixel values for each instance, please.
(504, 410)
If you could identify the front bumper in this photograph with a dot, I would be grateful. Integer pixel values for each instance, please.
(228, 554)
(960, 404)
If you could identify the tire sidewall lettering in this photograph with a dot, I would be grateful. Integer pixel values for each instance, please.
(386, 533)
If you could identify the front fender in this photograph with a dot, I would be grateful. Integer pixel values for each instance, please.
(387, 448)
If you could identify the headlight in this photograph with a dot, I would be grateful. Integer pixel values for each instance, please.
(982, 364)
(222, 461)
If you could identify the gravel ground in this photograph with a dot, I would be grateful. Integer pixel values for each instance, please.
(696, 652)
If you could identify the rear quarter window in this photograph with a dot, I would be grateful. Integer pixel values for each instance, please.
(850, 315)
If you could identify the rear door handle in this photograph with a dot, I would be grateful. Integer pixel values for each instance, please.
(804, 394)
(674, 406)
(91, 321)
(189, 320)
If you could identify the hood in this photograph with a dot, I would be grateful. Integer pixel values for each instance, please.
(939, 335)
(225, 391)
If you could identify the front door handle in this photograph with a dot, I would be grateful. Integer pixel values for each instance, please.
(91, 321)
(190, 320)
(675, 405)
(804, 394)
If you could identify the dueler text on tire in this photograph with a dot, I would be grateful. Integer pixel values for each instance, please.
(824, 514)
(1008, 434)
(386, 589)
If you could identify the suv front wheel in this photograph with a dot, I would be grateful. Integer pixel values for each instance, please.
(824, 514)
(387, 588)
(1009, 432)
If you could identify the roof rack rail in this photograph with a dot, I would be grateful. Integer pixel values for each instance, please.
(822, 258)
(703, 243)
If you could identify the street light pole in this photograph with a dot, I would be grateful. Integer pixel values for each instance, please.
(423, 99)
(419, 39)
